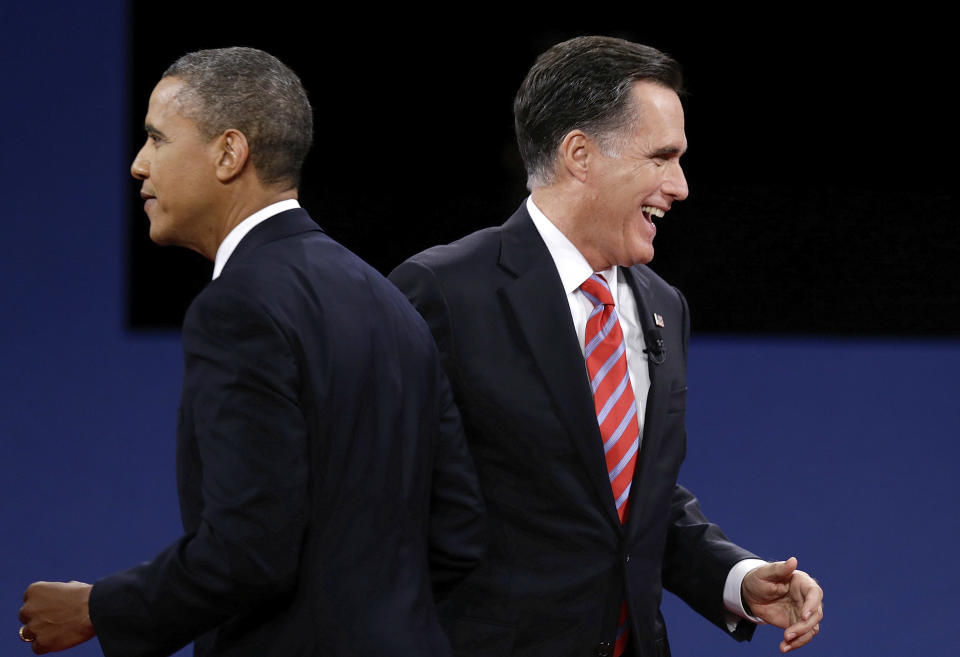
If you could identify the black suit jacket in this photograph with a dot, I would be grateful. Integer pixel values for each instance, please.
(320, 466)
(560, 563)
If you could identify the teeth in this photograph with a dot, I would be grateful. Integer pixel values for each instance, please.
(649, 209)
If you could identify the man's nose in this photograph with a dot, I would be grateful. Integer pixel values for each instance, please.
(140, 168)
(675, 184)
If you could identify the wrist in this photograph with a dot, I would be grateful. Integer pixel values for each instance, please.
(734, 598)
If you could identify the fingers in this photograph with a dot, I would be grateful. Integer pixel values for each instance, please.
(808, 596)
(25, 614)
(800, 640)
(800, 634)
(40, 645)
(803, 626)
(812, 599)
(27, 635)
(811, 613)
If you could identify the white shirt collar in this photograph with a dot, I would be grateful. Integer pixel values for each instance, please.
(230, 242)
(571, 265)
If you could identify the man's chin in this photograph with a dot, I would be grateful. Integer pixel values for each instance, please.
(642, 256)
(158, 236)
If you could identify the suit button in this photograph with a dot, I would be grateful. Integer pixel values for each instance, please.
(627, 559)
(605, 649)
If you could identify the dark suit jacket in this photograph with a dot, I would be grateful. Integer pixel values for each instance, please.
(559, 562)
(320, 462)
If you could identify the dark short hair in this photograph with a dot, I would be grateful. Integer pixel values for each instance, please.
(254, 92)
(584, 84)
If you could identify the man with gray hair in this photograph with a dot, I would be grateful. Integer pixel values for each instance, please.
(567, 356)
(325, 486)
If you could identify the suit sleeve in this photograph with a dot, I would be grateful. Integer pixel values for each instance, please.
(458, 534)
(240, 398)
(419, 284)
(698, 556)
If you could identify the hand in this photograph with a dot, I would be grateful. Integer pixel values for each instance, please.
(786, 597)
(56, 615)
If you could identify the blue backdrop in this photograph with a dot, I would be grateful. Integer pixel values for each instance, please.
(839, 451)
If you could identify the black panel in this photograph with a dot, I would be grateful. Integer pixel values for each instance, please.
(820, 164)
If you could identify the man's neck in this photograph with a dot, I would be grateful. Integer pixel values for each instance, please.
(242, 207)
(564, 211)
(240, 231)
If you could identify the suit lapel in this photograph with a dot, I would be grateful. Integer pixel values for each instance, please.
(537, 301)
(657, 399)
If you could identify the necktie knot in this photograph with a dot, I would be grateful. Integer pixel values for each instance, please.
(597, 290)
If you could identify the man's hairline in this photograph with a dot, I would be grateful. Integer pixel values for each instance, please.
(191, 106)
(611, 142)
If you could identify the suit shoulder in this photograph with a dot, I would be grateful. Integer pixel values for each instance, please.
(650, 277)
(293, 263)
(658, 289)
(475, 247)
(656, 282)
(228, 300)
(270, 277)
(312, 275)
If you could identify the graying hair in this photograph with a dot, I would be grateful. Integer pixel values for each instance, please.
(254, 92)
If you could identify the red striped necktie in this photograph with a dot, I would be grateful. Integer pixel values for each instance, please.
(615, 404)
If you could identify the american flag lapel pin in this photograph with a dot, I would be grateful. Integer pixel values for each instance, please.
(658, 319)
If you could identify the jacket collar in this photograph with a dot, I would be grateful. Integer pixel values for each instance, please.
(277, 227)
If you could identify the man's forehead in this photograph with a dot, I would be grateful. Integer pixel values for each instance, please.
(166, 96)
(659, 116)
(649, 95)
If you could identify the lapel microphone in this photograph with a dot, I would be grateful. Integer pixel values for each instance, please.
(655, 350)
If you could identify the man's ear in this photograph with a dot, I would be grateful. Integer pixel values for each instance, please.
(575, 154)
(233, 152)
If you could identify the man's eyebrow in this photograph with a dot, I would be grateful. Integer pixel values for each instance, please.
(668, 152)
(150, 129)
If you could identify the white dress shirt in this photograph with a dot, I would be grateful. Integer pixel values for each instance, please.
(230, 242)
(574, 270)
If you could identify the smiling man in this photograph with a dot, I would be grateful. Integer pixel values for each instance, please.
(567, 357)
(325, 486)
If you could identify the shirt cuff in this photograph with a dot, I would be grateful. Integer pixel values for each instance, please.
(732, 598)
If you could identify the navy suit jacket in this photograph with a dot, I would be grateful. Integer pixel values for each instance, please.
(321, 469)
(560, 563)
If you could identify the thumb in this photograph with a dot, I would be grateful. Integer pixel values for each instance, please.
(780, 571)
